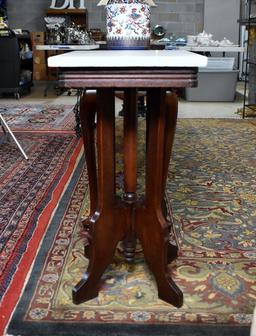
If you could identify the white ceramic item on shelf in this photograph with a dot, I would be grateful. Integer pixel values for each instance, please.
(54, 20)
(203, 39)
(214, 43)
(226, 43)
(191, 40)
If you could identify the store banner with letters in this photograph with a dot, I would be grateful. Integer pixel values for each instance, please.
(66, 4)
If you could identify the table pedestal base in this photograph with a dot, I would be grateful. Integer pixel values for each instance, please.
(114, 218)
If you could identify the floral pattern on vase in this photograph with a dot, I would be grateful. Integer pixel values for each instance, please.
(128, 24)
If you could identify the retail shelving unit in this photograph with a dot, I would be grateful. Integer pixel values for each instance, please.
(77, 16)
(16, 62)
(249, 20)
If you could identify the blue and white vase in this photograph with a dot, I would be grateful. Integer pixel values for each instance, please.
(128, 24)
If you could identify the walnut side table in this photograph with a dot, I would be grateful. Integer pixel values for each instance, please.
(114, 218)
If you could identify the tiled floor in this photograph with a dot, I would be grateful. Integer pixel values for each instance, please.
(186, 109)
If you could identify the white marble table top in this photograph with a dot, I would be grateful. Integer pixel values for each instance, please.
(128, 58)
(67, 46)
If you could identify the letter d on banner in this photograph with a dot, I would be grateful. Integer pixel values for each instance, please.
(66, 4)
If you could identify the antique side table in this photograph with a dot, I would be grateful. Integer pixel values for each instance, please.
(113, 218)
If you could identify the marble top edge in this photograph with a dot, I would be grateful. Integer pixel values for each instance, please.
(128, 58)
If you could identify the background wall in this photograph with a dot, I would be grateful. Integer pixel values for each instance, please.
(181, 17)
(27, 14)
(226, 25)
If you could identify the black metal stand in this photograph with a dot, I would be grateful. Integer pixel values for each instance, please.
(250, 64)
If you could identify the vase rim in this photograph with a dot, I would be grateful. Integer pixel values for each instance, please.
(147, 2)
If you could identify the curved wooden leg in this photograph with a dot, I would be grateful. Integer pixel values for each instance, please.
(87, 118)
(170, 127)
(151, 226)
(107, 230)
(152, 231)
(171, 105)
(105, 237)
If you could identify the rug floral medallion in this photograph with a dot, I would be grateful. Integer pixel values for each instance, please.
(212, 201)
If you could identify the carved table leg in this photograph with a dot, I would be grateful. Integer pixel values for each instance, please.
(130, 167)
(112, 219)
(151, 226)
(88, 111)
(106, 231)
(170, 126)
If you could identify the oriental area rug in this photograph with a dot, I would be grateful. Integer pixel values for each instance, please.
(29, 192)
(39, 116)
(211, 199)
